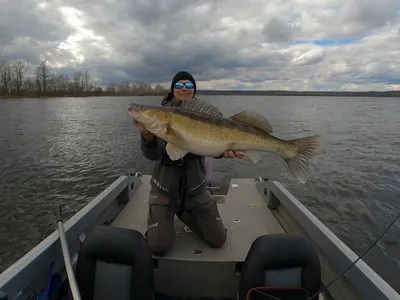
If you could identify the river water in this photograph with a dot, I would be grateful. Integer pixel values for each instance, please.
(66, 151)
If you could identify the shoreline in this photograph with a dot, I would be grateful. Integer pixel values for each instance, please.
(213, 92)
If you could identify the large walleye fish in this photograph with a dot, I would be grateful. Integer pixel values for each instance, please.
(200, 128)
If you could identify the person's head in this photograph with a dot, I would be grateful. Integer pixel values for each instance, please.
(183, 87)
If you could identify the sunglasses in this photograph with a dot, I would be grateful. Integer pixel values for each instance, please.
(180, 85)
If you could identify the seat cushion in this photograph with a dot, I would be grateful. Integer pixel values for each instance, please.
(115, 263)
(283, 261)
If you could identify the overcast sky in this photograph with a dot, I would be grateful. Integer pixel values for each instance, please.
(280, 44)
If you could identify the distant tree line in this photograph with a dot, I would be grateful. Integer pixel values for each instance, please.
(395, 93)
(14, 83)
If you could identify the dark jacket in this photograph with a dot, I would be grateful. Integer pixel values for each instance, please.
(182, 178)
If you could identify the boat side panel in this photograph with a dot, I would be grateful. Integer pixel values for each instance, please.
(329, 272)
(364, 280)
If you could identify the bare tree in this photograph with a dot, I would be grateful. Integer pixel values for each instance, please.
(87, 82)
(78, 82)
(5, 77)
(42, 76)
(18, 69)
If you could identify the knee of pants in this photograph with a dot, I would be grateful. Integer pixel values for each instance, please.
(159, 246)
(217, 240)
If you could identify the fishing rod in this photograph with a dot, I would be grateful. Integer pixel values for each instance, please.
(350, 267)
(67, 258)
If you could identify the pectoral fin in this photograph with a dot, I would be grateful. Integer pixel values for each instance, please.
(174, 151)
(157, 127)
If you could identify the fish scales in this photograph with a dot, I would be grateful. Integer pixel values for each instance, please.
(208, 129)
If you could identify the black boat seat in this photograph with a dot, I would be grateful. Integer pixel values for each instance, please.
(115, 263)
(284, 266)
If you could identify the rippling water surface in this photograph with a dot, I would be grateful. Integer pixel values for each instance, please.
(68, 150)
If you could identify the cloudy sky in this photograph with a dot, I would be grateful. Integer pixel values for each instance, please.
(258, 44)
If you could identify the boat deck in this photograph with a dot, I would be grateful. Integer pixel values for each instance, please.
(244, 213)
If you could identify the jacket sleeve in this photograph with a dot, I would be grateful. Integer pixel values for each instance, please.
(152, 150)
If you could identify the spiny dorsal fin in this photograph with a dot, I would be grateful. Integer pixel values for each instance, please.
(201, 107)
(254, 119)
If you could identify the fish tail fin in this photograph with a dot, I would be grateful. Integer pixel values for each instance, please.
(306, 148)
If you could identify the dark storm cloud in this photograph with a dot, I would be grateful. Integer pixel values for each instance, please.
(373, 14)
(357, 18)
(27, 30)
(278, 31)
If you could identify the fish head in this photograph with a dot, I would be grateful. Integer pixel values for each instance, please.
(147, 114)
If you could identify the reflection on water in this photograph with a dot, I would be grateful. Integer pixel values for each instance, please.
(67, 150)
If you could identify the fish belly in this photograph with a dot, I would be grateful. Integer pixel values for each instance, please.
(214, 145)
(204, 147)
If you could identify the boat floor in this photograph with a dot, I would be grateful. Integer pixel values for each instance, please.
(243, 211)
